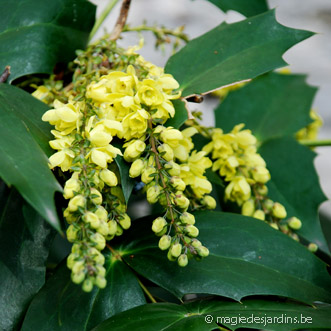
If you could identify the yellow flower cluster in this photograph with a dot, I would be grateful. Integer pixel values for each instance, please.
(173, 175)
(130, 105)
(310, 132)
(244, 170)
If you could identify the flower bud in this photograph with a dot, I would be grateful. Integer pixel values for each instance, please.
(72, 185)
(275, 226)
(259, 214)
(192, 230)
(72, 259)
(101, 271)
(171, 137)
(279, 210)
(209, 202)
(187, 218)
(77, 278)
(268, 204)
(294, 223)
(112, 227)
(196, 243)
(72, 233)
(100, 281)
(166, 152)
(103, 229)
(99, 240)
(134, 150)
(262, 190)
(146, 175)
(177, 183)
(164, 242)
(125, 222)
(119, 231)
(261, 174)
(176, 250)
(248, 207)
(158, 224)
(75, 202)
(78, 267)
(136, 168)
(203, 251)
(181, 200)
(182, 260)
(97, 199)
(313, 247)
(152, 193)
(92, 219)
(108, 177)
(87, 285)
(102, 214)
(170, 257)
(173, 168)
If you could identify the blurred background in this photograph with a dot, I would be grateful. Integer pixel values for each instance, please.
(311, 57)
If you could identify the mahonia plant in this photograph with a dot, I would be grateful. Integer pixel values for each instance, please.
(116, 93)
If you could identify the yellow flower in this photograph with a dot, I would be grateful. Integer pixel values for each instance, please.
(135, 124)
(182, 151)
(163, 111)
(229, 168)
(201, 186)
(72, 185)
(62, 159)
(238, 190)
(170, 136)
(103, 155)
(166, 152)
(41, 93)
(136, 168)
(148, 93)
(261, 174)
(108, 177)
(133, 150)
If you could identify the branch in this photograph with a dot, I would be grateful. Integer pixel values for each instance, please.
(315, 143)
(121, 20)
(4, 76)
(102, 17)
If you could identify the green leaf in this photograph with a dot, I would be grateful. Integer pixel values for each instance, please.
(247, 257)
(37, 34)
(209, 315)
(233, 52)
(24, 245)
(245, 7)
(295, 184)
(180, 115)
(62, 305)
(127, 182)
(279, 105)
(23, 162)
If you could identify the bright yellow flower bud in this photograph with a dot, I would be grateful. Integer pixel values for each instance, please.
(75, 202)
(149, 94)
(72, 185)
(259, 214)
(279, 210)
(176, 250)
(146, 175)
(135, 124)
(92, 219)
(108, 177)
(166, 152)
(261, 174)
(275, 226)
(294, 223)
(72, 233)
(103, 229)
(112, 227)
(134, 150)
(192, 230)
(187, 218)
(181, 200)
(102, 214)
(78, 277)
(173, 168)
(97, 199)
(209, 202)
(164, 242)
(182, 260)
(196, 243)
(248, 208)
(100, 282)
(158, 224)
(153, 193)
(238, 190)
(125, 222)
(203, 251)
(87, 285)
(78, 267)
(99, 240)
(136, 168)
(177, 183)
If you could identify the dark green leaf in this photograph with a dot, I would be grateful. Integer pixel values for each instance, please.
(208, 315)
(37, 34)
(180, 116)
(295, 184)
(62, 305)
(245, 7)
(126, 181)
(278, 105)
(247, 257)
(233, 52)
(23, 163)
(24, 244)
